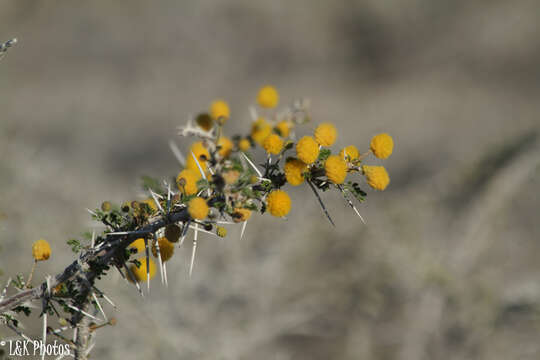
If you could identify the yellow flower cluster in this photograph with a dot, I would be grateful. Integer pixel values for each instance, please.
(326, 134)
(382, 145)
(278, 203)
(140, 272)
(307, 149)
(260, 130)
(41, 250)
(273, 144)
(219, 109)
(244, 144)
(166, 249)
(198, 208)
(336, 169)
(268, 97)
(283, 128)
(138, 245)
(294, 171)
(226, 146)
(241, 215)
(349, 153)
(202, 155)
(187, 181)
(376, 176)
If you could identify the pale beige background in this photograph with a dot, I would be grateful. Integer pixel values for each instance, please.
(448, 265)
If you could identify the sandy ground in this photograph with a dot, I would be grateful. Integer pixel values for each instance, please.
(447, 266)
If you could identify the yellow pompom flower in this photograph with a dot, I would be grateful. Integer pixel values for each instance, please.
(307, 149)
(376, 177)
(336, 169)
(260, 130)
(241, 215)
(326, 134)
(244, 144)
(41, 250)
(349, 153)
(226, 146)
(202, 155)
(221, 231)
(382, 145)
(294, 171)
(283, 127)
(273, 144)
(219, 109)
(138, 245)
(278, 203)
(140, 272)
(151, 204)
(268, 97)
(166, 249)
(187, 181)
(198, 208)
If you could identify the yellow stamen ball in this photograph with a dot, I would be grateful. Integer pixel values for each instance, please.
(241, 215)
(187, 181)
(382, 145)
(268, 97)
(307, 149)
(198, 208)
(166, 249)
(260, 130)
(294, 171)
(336, 169)
(221, 231)
(202, 155)
(226, 146)
(273, 144)
(140, 272)
(219, 109)
(376, 177)
(151, 204)
(349, 153)
(41, 250)
(278, 203)
(106, 206)
(283, 127)
(138, 245)
(244, 145)
(326, 134)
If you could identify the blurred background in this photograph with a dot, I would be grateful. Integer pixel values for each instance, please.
(447, 266)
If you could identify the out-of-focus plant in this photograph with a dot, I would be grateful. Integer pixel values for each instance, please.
(221, 184)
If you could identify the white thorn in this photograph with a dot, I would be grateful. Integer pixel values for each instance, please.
(99, 306)
(253, 113)
(243, 229)
(165, 274)
(252, 164)
(44, 343)
(93, 239)
(193, 250)
(177, 153)
(159, 258)
(198, 165)
(155, 197)
(82, 311)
